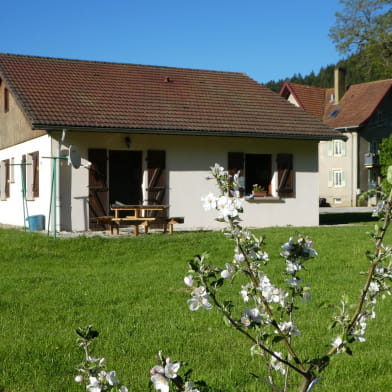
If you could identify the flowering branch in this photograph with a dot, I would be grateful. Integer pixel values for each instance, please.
(93, 371)
(264, 324)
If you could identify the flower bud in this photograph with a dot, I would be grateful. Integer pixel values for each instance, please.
(79, 379)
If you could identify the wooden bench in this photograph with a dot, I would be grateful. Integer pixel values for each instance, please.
(108, 220)
(170, 222)
(136, 222)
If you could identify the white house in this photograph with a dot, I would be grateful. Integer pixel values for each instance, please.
(148, 134)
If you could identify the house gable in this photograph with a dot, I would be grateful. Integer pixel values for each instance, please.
(14, 126)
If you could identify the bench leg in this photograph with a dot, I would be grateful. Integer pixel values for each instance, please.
(171, 228)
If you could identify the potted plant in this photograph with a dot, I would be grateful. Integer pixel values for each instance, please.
(258, 191)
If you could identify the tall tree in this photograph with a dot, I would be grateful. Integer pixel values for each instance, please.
(364, 27)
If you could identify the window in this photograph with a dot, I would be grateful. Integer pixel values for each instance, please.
(4, 179)
(258, 169)
(31, 174)
(373, 147)
(6, 100)
(336, 148)
(336, 178)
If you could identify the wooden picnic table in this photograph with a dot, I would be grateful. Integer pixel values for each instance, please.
(137, 215)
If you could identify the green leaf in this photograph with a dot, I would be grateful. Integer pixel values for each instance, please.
(277, 339)
(389, 175)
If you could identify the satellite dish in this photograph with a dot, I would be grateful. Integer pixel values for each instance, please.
(74, 157)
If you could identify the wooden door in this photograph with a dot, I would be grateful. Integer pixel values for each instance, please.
(156, 188)
(156, 167)
(98, 189)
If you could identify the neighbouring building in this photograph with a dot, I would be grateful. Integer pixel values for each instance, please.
(362, 113)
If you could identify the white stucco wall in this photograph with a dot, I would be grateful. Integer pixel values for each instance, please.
(187, 165)
(11, 209)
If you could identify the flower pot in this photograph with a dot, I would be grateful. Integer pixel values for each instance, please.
(259, 193)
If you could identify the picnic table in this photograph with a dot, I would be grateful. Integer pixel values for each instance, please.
(139, 215)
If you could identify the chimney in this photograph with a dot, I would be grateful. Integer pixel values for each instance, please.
(340, 84)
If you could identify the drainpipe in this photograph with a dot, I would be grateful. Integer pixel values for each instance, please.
(354, 168)
(58, 185)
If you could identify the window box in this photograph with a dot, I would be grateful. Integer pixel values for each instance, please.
(259, 193)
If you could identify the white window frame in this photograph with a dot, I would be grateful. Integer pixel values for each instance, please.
(336, 148)
(336, 178)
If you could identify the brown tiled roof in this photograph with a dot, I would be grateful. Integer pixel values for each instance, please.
(357, 105)
(309, 98)
(55, 93)
(354, 109)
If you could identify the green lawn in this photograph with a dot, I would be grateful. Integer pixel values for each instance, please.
(132, 290)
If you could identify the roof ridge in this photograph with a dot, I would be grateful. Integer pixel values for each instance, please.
(69, 60)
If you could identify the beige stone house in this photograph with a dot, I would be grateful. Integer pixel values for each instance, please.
(363, 114)
(145, 135)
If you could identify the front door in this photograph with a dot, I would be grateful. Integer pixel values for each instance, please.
(125, 177)
(114, 176)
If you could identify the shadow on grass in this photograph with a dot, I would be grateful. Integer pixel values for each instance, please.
(346, 218)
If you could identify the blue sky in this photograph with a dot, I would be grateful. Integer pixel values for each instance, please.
(266, 39)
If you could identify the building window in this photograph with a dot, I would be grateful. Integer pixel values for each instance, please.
(4, 179)
(258, 169)
(6, 100)
(336, 178)
(373, 147)
(31, 175)
(336, 148)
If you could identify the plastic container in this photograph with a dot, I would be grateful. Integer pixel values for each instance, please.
(36, 222)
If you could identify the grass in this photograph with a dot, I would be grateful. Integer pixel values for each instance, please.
(131, 289)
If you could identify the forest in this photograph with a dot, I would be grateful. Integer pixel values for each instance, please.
(362, 34)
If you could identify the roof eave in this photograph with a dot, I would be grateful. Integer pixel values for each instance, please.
(230, 133)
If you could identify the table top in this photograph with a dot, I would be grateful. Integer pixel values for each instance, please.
(139, 207)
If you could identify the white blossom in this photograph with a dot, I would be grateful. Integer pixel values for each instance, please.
(160, 382)
(292, 267)
(287, 327)
(254, 315)
(337, 343)
(171, 369)
(199, 299)
(94, 386)
(190, 387)
(276, 364)
(209, 202)
(188, 280)
(228, 272)
(245, 292)
(239, 257)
